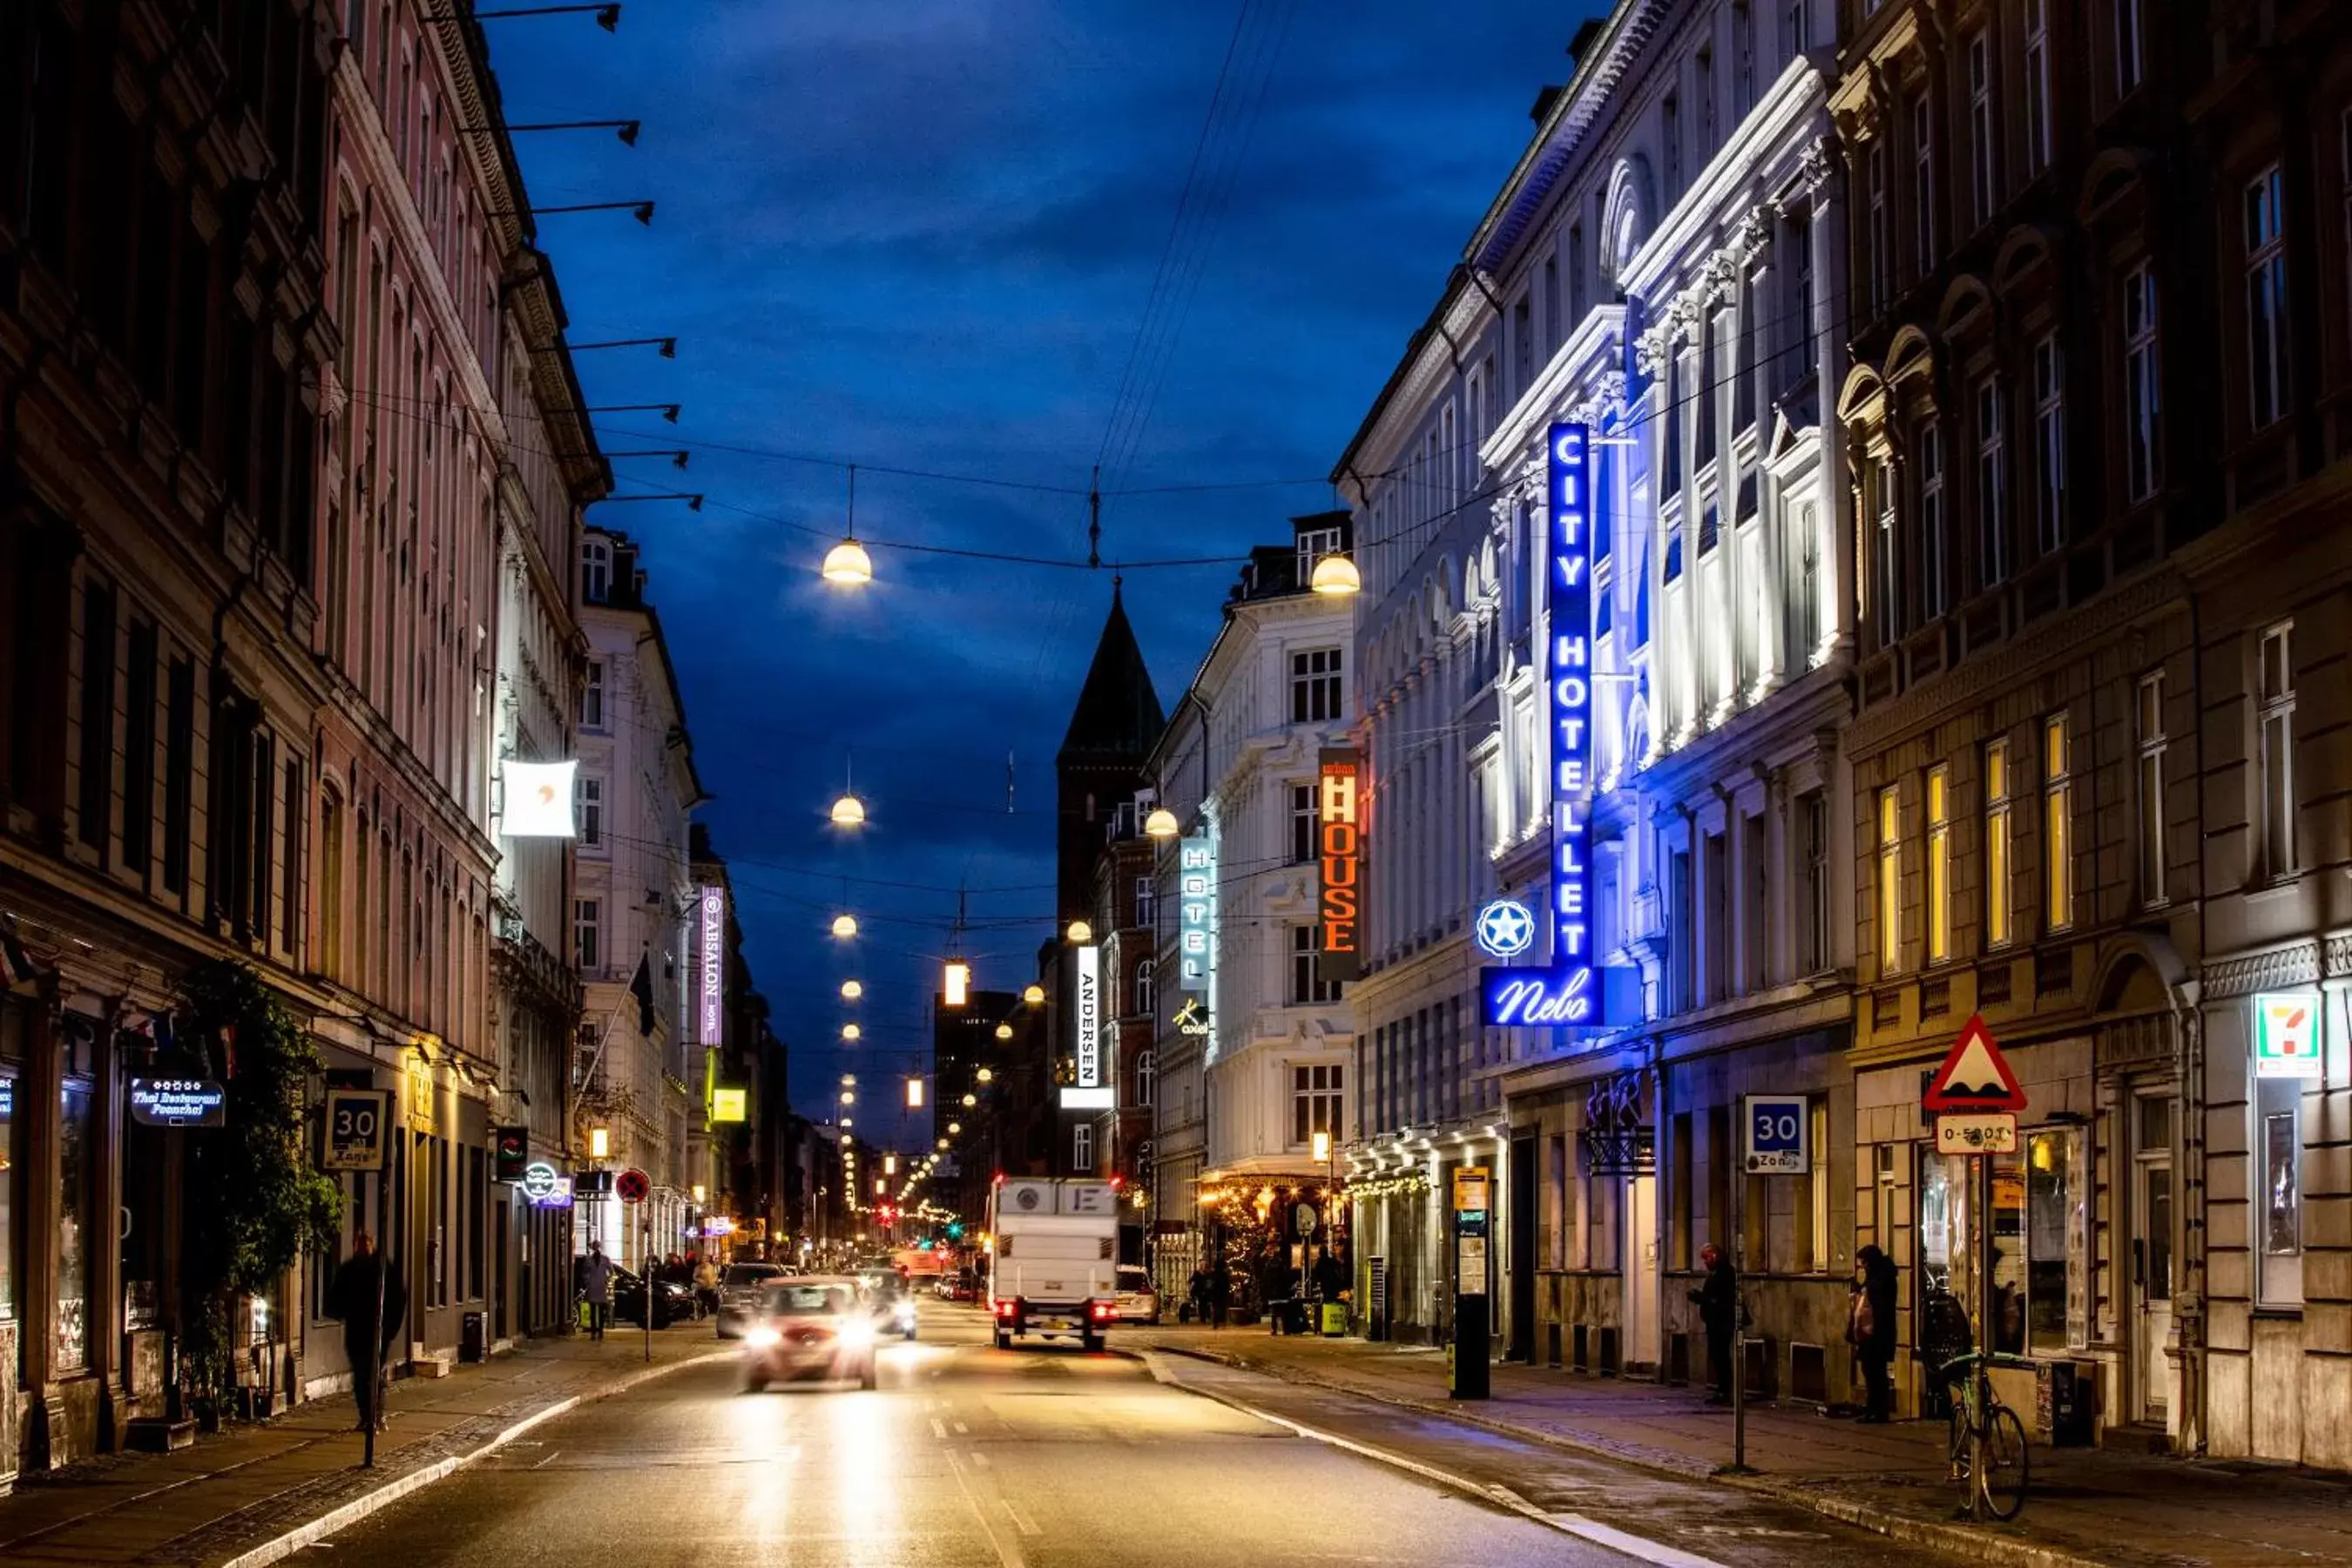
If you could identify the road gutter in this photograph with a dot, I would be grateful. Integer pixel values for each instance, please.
(1953, 1540)
(342, 1517)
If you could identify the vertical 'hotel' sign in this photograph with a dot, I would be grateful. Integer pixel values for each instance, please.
(1568, 991)
(1339, 828)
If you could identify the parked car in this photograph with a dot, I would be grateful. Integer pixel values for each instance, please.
(1138, 1302)
(816, 1326)
(672, 1302)
(738, 1294)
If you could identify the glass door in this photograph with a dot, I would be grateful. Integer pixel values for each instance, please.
(2151, 1254)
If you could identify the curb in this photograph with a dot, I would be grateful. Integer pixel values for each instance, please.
(1998, 1551)
(345, 1515)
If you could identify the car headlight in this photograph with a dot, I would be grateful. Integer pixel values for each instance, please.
(906, 1311)
(856, 1333)
(764, 1338)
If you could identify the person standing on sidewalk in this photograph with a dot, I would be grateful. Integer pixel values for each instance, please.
(1221, 1293)
(1718, 1309)
(596, 1287)
(371, 1298)
(1872, 1330)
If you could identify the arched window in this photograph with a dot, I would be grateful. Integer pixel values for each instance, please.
(1146, 992)
(1144, 1080)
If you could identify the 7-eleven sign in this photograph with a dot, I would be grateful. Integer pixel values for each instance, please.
(2287, 1035)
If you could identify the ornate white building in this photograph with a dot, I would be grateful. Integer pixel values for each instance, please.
(1254, 1028)
(1663, 268)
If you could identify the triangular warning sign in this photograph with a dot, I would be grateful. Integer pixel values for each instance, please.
(1975, 1075)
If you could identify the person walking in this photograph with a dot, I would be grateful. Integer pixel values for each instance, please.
(1196, 1291)
(1718, 1309)
(1221, 1293)
(596, 1287)
(706, 1287)
(1871, 1330)
(371, 1298)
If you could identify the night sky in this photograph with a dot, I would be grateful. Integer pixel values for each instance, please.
(921, 233)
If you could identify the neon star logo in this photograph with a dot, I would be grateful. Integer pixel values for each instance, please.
(1506, 929)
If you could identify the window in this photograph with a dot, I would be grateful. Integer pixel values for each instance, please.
(2057, 826)
(1743, 62)
(2149, 796)
(2344, 176)
(1923, 184)
(1890, 880)
(591, 811)
(1147, 1081)
(591, 697)
(1147, 991)
(1880, 230)
(95, 806)
(1997, 844)
(587, 952)
(1315, 1093)
(1935, 548)
(1993, 483)
(1796, 28)
(2275, 751)
(1082, 1146)
(2131, 45)
(2049, 444)
(2266, 303)
(1703, 88)
(595, 571)
(1982, 132)
(1940, 864)
(1797, 309)
(1305, 816)
(179, 768)
(1890, 581)
(1315, 686)
(2143, 398)
(2037, 85)
(1678, 377)
(2041, 1248)
(1814, 916)
(1308, 986)
(1147, 901)
(1670, 143)
(1575, 272)
(2278, 1212)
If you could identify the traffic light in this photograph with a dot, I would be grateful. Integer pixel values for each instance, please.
(512, 1153)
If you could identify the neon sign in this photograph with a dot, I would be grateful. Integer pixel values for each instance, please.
(1569, 992)
(714, 964)
(1340, 830)
(1196, 875)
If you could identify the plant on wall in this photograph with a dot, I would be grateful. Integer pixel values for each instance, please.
(252, 1201)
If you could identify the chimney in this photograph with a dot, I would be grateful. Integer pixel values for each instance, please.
(1583, 39)
(1545, 96)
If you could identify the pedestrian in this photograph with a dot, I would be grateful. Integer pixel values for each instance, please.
(1196, 1294)
(1872, 1330)
(596, 1287)
(1331, 1277)
(1221, 1293)
(1718, 1309)
(706, 1287)
(373, 1302)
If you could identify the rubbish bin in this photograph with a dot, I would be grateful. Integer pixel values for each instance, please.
(472, 1342)
(2063, 1397)
(1335, 1319)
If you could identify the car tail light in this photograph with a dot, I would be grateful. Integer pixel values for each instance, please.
(1102, 1308)
(1004, 1307)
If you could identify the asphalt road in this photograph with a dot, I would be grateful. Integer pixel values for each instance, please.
(968, 1456)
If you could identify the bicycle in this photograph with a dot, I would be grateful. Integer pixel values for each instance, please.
(1982, 1424)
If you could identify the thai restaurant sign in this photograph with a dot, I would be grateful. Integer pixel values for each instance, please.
(1339, 829)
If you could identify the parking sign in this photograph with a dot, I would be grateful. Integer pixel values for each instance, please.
(1779, 1135)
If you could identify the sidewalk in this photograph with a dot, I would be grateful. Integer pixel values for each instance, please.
(256, 1492)
(2087, 1506)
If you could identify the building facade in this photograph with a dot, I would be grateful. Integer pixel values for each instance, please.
(2095, 810)
(1275, 1051)
(635, 914)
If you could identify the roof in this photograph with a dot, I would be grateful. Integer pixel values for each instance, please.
(1119, 713)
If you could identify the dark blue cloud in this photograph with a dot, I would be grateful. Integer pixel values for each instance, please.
(921, 234)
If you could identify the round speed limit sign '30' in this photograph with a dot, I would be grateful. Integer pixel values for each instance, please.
(631, 1186)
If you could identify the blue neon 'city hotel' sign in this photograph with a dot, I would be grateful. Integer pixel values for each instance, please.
(1568, 991)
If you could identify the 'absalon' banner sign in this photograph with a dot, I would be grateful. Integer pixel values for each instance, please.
(1339, 850)
(714, 965)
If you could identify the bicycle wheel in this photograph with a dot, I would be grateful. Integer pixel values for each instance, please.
(2004, 1478)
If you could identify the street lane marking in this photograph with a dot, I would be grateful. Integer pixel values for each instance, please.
(960, 1427)
(982, 1460)
(938, 1429)
(1028, 1526)
(1566, 1523)
(1008, 1551)
(552, 1453)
